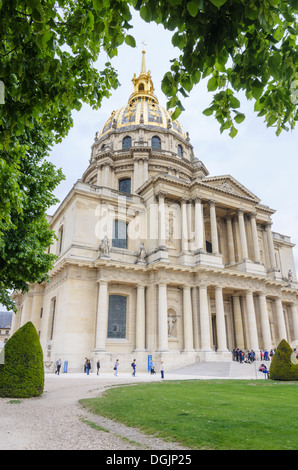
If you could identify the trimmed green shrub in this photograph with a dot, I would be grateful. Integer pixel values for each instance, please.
(22, 374)
(282, 368)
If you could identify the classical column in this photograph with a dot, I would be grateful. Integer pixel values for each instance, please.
(161, 221)
(255, 240)
(266, 333)
(295, 320)
(243, 241)
(102, 316)
(162, 317)
(99, 172)
(220, 320)
(231, 247)
(204, 319)
(238, 322)
(213, 225)
(184, 226)
(252, 323)
(270, 246)
(140, 318)
(187, 319)
(107, 174)
(195, 311)
(199, 224)
(146, 173)
(281, 324)
(135, 174)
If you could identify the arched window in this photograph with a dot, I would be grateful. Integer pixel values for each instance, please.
(117, 316)
(126, 142)
(125, 185)
(156, 142)
(141, 87)
(119, 239)
(180, 150)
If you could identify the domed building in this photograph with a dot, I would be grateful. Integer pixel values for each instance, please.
(156, 258)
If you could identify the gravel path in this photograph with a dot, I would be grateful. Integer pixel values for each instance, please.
(56, 421)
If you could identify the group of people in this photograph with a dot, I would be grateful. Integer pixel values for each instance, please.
(250, 356)
(87, 367)
(241, 356)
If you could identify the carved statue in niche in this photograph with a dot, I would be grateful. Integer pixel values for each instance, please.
(104, 247)
(142, 254)
(172, 320)
(290, 276)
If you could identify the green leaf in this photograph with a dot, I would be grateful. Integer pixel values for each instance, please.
(239, 118)
(176, 114)
(193, 8)
(212, 84)
(218, 3)
(145, 13)
(233, 132)
(234, 102)
(97, 4)
(130, 40)
(208, 111)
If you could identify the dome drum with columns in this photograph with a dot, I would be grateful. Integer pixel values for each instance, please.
(156, 257)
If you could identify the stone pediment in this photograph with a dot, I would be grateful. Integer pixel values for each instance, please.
(229, 185)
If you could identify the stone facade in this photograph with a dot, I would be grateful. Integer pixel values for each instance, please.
(157, 257)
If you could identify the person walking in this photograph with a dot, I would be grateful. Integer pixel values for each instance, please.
(58, 367)
(98, 366)
(88, 366)
(162, 370)
(134, 366)
(116, 367)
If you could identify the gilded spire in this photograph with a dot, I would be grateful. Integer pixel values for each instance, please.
(143, 66)
(142, 85)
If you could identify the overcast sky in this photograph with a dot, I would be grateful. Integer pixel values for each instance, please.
(267, 165)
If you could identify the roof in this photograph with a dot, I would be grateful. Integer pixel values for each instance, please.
(142, 108)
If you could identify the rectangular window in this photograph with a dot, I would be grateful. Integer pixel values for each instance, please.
(125, 185)
(117, 316)
(119, 234)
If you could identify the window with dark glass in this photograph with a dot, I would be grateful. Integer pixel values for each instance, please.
(208, 247)
(156, 142)
(125, 185)
(119, 239)
(180, 150)
(126, 142)
(117, 316)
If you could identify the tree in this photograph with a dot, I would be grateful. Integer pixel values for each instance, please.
(241, 45)
(48, 49)
(22, 373)
(282, 366)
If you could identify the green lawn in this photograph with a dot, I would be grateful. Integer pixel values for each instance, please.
(213, 414)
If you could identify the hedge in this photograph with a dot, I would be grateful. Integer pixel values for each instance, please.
(282, 367)
(22, 374)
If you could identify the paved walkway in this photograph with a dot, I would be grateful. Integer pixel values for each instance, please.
(55, 420)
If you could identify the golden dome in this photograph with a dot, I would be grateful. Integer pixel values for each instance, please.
(142, 108)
